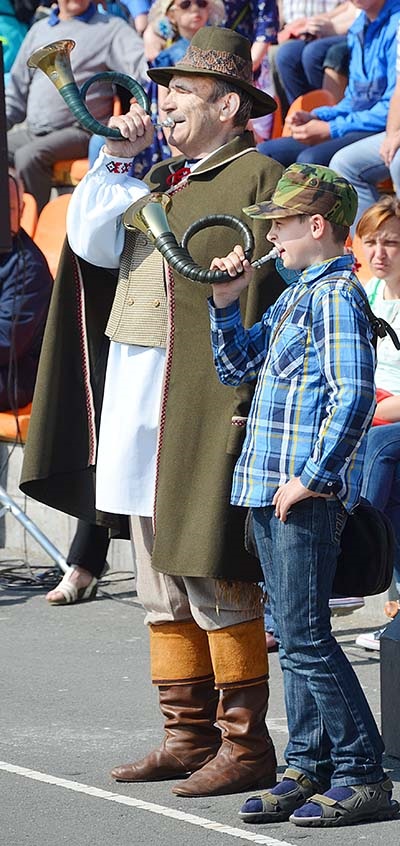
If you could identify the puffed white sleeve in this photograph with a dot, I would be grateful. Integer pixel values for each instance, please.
(94, 219)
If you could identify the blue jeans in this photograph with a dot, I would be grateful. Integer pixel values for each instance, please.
(301, 64)
(288, 150)
(363, 166)
(381, 478)
(333, 738)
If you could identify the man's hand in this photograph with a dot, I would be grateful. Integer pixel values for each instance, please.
(136, 127)
(314, 132)
(225, 293)
(389, 147)
(298, 118)
(290, 493)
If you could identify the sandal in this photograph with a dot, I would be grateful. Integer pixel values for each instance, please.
(71, 594)
(277, 804)
(347, 805)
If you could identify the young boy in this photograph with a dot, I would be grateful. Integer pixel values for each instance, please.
(300, 473)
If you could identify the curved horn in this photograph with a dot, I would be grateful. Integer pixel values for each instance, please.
(54, 61)
(149, 215)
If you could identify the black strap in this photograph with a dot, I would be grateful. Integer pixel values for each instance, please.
(380, 326)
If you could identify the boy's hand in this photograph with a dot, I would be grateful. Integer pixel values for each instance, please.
(290, 493)
(225, 293)
(136, 127)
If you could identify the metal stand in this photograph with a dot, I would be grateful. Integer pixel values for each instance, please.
(8, 504)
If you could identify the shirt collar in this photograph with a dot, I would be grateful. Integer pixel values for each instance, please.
(87, 15)
(332, 265)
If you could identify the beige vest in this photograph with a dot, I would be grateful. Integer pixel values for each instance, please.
(139, 311)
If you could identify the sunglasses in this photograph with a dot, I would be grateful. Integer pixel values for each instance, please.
(185, 4)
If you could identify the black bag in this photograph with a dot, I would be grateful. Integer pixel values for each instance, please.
(365, 564)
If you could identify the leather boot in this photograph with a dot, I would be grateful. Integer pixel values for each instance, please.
(246, 758)
(191, 738)
(181, 668)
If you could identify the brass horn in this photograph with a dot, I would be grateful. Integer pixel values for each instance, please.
(149, 215)
(54, 61)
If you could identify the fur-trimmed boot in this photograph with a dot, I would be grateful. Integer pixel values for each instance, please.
(246, 758)
(182, 669)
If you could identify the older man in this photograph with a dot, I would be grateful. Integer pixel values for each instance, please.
(169, 431)
(51, 132)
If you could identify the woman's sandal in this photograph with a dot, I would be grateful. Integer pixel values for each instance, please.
(347, 805)
(71, 594)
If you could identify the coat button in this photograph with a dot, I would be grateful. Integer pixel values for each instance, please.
(130, 301)
(156, 303)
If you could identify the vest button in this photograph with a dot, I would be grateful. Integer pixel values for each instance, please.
(156, 303)
(130, 301)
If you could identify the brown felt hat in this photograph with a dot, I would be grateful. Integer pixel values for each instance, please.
(224, 54)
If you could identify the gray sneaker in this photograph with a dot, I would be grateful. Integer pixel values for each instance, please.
(371, 640)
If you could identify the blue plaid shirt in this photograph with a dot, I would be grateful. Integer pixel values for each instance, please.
(314, 397)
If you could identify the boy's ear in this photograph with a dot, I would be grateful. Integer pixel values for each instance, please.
(318, 226)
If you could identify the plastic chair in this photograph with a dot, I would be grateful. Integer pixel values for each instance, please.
(13, 430)
(51, 230)
(307, 102)
(29, 217)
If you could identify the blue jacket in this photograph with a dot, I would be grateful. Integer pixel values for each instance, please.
(372, 75)
(25, 288)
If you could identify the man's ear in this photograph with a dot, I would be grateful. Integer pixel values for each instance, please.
(229, 106)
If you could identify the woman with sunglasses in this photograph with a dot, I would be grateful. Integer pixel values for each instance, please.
(177, 21)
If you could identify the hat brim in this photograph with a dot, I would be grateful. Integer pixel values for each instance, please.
(268, 211)
(263, 104)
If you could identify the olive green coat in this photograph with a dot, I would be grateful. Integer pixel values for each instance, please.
(197, 532)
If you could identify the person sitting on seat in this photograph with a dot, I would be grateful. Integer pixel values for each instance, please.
(103, 42)
(25, 287)
(317, 135)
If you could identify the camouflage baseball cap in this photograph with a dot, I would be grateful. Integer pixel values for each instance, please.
(310, 189)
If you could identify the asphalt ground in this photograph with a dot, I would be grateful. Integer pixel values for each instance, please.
(76, 699)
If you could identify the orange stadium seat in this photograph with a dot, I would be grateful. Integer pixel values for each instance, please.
(29, 215)
(51, 229)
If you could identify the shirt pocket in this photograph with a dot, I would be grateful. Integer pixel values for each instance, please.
(286, 358)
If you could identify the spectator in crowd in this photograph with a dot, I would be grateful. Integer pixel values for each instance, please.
(317, 135)
(379, 231)
(25, 287)
(51, 133)
(315, 44)
(376, 158)
(292, 14)
(300, 471)
(167, 447)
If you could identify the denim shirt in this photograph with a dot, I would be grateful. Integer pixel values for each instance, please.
(314, 397)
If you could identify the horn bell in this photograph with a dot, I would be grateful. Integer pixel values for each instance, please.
(149, 215)
(54, 60)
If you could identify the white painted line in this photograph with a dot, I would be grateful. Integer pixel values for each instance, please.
(192, 819)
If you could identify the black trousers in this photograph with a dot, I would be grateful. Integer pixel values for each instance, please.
(89, 548)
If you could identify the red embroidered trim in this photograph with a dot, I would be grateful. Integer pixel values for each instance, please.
(81, 318)
(118, 167)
